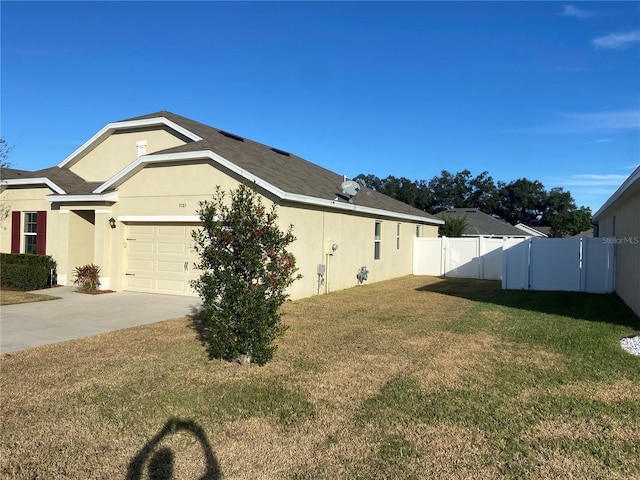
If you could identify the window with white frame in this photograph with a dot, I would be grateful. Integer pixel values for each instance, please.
(30, 232)
(377, 241)
(398, 237)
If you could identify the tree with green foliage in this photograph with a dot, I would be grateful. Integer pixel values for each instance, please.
(454, 225)
(579, 221)
(246, 270)
(523, 201)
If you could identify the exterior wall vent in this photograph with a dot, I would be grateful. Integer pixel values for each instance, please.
(281, 152)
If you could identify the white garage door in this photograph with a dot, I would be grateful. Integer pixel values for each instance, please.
(160, 259)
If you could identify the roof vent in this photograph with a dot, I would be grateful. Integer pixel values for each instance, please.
(281, 152)
(231, 135)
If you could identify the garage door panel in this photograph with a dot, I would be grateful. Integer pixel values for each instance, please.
(141, 265)
(141, 247)
(172, 248)
(156, 259)
(171, 267)
(139, 283)
(141, 229)
(173, 287)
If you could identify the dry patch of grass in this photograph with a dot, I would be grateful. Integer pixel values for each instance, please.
(12, 297)
(381, 381)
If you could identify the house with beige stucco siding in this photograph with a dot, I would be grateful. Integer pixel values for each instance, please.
(127, 201)
(618, 220)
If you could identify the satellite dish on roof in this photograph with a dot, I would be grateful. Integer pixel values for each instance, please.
(349, 187)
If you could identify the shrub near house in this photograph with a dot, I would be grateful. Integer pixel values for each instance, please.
(27, 272)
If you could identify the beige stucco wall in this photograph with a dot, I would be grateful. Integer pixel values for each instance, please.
(317, 230)
(119, 150)
(627, 236)
(171, 189)
(79, 233)
(30, 200)
(176, 190)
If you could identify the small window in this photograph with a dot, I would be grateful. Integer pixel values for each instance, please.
(376, 241)
(30, 232)
(418, 231)
(398, 237)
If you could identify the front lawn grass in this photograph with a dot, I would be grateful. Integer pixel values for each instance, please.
(12, 297)
(417, 377)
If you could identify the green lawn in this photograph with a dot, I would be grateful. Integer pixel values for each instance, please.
(418, 377)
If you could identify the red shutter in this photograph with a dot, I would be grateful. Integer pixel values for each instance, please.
(41, 233)
(15, 232)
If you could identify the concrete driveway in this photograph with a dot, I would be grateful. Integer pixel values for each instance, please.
(76, 315)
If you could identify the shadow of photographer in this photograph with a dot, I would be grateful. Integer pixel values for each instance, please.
(160, 462)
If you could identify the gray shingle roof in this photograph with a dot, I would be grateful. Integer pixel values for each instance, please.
(62, 177)
(284, 170)
(479, 223)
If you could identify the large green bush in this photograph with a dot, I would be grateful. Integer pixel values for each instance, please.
(27, 272)
(246, 270)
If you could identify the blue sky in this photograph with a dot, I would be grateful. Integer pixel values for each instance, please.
(549, 91)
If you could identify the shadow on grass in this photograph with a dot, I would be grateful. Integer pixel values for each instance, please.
(199, 325)
(607, 308)
(160, 461)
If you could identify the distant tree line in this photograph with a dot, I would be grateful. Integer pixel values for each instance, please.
(521, 200)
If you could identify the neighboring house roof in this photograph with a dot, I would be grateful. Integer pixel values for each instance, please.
(629, 187)
(534, 231)
(584, 234)
(284, 174)
(481, 224)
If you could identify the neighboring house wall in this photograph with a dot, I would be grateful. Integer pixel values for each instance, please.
(119, 150)
(622, 222)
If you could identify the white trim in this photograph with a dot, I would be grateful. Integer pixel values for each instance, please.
(63, 211)
(530, 230)
(358, 208)
(34, 181)
(107, 197)
(634, 177)
(131, 124)
(141, 162)
(160, 218)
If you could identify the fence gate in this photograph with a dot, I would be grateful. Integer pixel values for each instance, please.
(565, 264)
(569, 264)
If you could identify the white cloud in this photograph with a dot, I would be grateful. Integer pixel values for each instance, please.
(617, 41)
(571, 11)
(615, 120)
(589, 122)
(593, 180)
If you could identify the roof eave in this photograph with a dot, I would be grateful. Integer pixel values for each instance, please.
(34, 181)
(110, 197)
(126, 125)
(631, 180)
(145, 160)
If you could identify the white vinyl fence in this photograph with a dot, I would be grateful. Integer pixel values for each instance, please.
(569, 264)
(466, 257)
